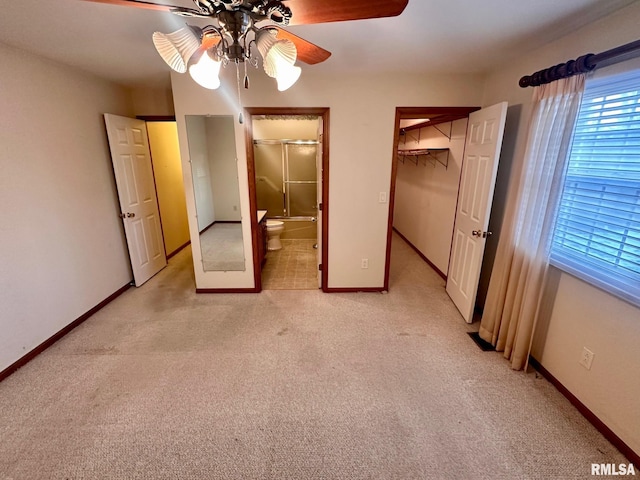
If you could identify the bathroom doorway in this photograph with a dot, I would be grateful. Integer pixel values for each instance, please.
(287, 154)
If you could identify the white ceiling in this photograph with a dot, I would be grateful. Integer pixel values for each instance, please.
(436, 36)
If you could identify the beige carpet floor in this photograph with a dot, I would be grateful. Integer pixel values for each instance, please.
(222, 247)
(167, 384)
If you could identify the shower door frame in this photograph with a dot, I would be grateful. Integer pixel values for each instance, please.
(323, 114)
(286, 178)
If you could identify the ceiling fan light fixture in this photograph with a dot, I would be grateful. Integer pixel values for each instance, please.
(274, 52)
(235, 31)
(206, 72)
(287, 75)
(278, 58)
(178, 47)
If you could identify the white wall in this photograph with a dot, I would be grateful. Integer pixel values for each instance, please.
(582, 315)
(213, 171)
(62, 249)
(199, 171)
(427, 193)
(362, 116)
(221, 148)
(151, 100)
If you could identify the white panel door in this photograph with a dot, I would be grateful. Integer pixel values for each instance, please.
(137, 193)
(479, 168)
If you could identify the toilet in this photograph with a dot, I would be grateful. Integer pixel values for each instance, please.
(274, 229)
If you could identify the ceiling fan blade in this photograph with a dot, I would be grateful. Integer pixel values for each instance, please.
(209, 41)
(314, 11)
(307, 51)
(137, 3)
(185, 12)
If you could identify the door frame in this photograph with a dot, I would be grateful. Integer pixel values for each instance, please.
(323, 113)
(439, 115)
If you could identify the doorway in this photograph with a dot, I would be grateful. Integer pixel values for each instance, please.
(287, 160)
(422, 211)
(167, 173)
(474, 146)
(147, 171)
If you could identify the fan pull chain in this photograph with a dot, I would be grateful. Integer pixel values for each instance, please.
(246, 76)
(240, 116)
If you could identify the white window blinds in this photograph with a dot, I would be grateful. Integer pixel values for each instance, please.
(597, 233)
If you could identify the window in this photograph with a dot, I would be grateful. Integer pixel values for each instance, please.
(597, 232)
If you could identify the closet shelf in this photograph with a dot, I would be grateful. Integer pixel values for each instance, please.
(431, 155)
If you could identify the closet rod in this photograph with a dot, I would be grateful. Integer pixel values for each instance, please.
(583, 64)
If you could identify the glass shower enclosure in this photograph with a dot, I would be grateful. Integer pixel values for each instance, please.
(286, 178)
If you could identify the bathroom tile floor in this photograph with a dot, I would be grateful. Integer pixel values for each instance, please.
(294, 267)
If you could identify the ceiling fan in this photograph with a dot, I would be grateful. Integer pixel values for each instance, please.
(203, 50)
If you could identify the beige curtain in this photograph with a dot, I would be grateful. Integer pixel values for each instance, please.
(522, 258)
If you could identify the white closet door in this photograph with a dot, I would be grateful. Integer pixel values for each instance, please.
(479, 169)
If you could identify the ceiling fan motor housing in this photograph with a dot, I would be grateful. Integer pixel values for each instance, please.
(236, 24)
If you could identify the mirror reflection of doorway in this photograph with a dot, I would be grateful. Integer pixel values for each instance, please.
(286, 159)
(213, 159)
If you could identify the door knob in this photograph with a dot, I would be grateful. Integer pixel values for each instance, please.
(122, 215)
(480, 233)
(130, 215)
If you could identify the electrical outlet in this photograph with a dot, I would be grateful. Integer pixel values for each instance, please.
(383, 197)
(365, 263)
(586, 359)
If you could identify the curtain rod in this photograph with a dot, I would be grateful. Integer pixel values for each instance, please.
(583, 64)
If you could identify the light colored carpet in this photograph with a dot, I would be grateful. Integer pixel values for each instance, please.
(167, 384)
(222, 247)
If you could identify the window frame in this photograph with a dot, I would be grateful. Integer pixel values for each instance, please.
(580, 266)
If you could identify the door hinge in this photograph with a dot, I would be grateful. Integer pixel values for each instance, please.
(320, 206)
(320, 266)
